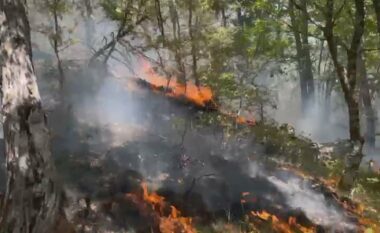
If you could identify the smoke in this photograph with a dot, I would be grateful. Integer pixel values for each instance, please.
(323, 120)
(138, 131)
(299, 195)
(114, 111)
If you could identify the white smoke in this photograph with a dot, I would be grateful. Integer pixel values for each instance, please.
(299, 195)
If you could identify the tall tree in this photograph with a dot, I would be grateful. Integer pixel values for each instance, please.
(347, 76)
(376, 6)
(300, 29)
(370, 115)
(177, 40)
(193, 41)
(33, 199)
(89, 22)
(56, 37)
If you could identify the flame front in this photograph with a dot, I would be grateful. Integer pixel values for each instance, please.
(282, 226)
(173, 223)
(200, 95)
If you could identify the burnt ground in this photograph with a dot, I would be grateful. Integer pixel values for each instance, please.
(200, 162)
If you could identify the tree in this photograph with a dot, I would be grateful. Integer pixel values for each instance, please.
(128, 15)
(33, 200)
(301, 36)
(86, 8)
(56, 33)
(376, 6)
(370, 115)
(193, 41)
(56, 36)
(347, 76)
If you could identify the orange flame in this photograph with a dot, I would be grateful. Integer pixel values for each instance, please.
(280, 225)
(173, 223)
(152, 198)
(200, 95)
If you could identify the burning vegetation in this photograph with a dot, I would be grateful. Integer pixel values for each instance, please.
(199, 96)
(166, 218)
(187, 201)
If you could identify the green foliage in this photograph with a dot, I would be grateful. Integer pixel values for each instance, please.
(61, 7)
(114, 8)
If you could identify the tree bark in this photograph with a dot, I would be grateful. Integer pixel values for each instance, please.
(348, 82)
(177, 42)
(89, 23)
(160, 21)
(193, 45)
(308, 66)
(370, 136)
(376, 6)
(33, 200)
(56, 42)
(305, 67)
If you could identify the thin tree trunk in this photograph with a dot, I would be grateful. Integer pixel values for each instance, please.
(224, 17)
(193, 45)
(376, 6)
(300, 32)
(33, 200)
(160, 21)
(307, 66)
(348, 83)
(370, 136)
(56, 43)
(177, 43)
(321, 56)
(89, 23)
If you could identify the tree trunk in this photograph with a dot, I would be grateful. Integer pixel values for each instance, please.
(300, 33)
(160, 21)
(177, 42)
(224, 17)
(376, 6)
(89, 23)
(370, 136)
(193, 45)
(348, 83)
(33, 200)
(56, 41)
(306, 57)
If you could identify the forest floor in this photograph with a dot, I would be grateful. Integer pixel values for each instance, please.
(169, 167)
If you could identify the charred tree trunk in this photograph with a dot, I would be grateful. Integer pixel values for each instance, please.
(305, 67)
(348, 77)
(370, 136)
(33, 200)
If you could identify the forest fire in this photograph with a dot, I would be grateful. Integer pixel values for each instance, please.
(171, 222)
(199, 95)
(281, 226)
